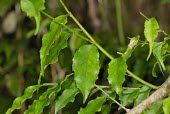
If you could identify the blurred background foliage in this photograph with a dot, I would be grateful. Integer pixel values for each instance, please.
(109, 21)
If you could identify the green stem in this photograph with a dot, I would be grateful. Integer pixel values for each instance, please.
(119, 22)
(85, 32)
(112, 98)
(49, 16)
(142, 81)
(101, 49)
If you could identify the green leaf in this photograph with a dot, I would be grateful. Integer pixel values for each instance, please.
(157, 52)
(55, 49)
(129, 95)
(93, 106)
(44, 100)
(143, 94)
(117, 70)
(49, 39)
(19, 100)
(67, 96)
(106, 109)
(156, 108)
(33, 8)
(151, 32)
(166, 105)
(86, 68)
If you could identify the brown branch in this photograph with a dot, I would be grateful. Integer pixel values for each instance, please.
(159, 94)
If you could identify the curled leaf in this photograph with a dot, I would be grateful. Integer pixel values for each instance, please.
(33, 8)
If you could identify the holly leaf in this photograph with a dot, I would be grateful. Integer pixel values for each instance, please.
(151, 32)
(86, 68)
(33, 8)
(117, 70)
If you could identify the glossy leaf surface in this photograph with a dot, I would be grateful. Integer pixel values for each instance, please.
(86, 68)
(117, 70)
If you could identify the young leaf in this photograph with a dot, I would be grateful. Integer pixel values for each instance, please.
(55, 49)
(44, 100)
(49, 38)
(117, 70)
(131, 45)
(166, 104)
(151, 32)
(19, 100)
(143, 94)
(86, 68)
(67, 96)
(93, 106)
(33, 8)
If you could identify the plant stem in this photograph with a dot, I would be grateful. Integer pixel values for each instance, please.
(142, 81)
(112, 98)
(101, 49)
(49, 16)
(119, 22)
(85, 32)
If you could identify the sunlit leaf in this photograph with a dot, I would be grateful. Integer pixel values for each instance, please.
(19, 100)
(117, 70)
(156, 108)
(55, 49)
(49, 39)
(93, 106)
(143, 94)
(86, 68)
(33, 8)
(44, 100)
(67, 96)
(151, 32)
(166, 104)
